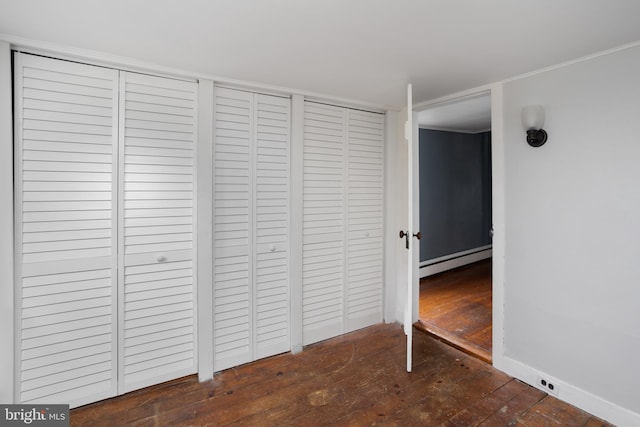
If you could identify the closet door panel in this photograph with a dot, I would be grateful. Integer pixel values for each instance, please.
(157, 151)
(232, 295)
(65, 164)
(271, 195)
(324, 221)
(342, 220)
(365, 221)
(251, 173)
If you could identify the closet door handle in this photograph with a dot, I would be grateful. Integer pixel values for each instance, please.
(161, 258)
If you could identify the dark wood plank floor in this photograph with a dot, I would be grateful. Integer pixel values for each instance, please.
(456, 306)
(358, 379)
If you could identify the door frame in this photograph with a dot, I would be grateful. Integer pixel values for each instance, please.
(497, 202)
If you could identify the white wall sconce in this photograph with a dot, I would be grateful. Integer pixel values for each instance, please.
(532, 121)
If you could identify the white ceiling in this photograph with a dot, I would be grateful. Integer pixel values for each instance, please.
(363, 50)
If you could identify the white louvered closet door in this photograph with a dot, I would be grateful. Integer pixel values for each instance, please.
(232, 240)
(271, 195)
(157, 152)
(324, 221)
(365, 193)
(65, 165)
(251, 291)
(342, 220)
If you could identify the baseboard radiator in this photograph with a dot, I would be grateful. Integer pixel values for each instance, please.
(451, 261)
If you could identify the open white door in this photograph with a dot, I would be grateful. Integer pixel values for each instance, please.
(410, 233)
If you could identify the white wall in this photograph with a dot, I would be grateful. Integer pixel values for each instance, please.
(572, 280)
(6, 227)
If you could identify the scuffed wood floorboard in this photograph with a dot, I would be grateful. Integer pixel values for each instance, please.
(358, 379)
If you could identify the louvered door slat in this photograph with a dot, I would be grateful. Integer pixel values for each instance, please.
(66, 142)
(232, 295)
(157, 145)
(365, 221)
(324, 210)
(271, 195)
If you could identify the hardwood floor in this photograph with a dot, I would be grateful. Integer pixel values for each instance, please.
(455, 306)
(358, 379)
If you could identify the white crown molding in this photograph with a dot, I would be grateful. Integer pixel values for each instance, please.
(479, 90)
(130, 64)
(447, 129)
(573, 61)
(484, 89)
(454, 97)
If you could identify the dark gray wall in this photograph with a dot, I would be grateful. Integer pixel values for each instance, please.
(455, 192)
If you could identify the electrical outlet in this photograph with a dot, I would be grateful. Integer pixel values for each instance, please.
(548, 385)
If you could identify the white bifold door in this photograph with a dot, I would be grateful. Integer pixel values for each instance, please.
(342, 220)
(104, 195)
(251, 232)
(156, 230)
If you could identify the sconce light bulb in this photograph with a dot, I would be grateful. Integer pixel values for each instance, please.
(533, 117)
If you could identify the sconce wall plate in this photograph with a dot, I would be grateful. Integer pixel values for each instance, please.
(536, 138)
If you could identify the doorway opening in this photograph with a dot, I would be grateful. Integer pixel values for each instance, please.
(455, 300)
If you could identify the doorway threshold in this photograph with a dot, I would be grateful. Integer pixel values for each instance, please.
(454, 341)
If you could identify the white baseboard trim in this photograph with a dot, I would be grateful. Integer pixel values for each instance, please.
(459, 260)
(584, 400)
